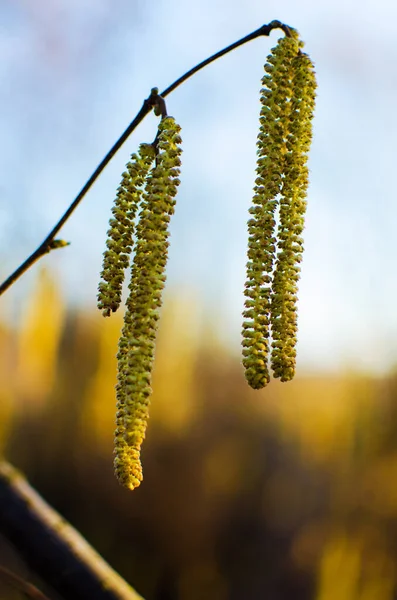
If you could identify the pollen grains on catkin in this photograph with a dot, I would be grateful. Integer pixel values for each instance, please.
(271, 150)
(121, 230)
(137, 342)
(291, 219)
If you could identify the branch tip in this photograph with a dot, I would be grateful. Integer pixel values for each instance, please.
(275, 24)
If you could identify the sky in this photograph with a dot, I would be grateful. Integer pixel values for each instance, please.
(74, 73)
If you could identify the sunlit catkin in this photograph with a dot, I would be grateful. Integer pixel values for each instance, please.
(136, 346)
(120, 233)
(291, 222)
(271, 149)
(270, 290)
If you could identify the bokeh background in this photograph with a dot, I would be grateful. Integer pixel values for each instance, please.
(286, 493)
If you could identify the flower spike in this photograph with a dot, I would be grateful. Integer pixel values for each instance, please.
(282, 145)
(271, 149)
(136, 347)
(120, 233)
(291, 224)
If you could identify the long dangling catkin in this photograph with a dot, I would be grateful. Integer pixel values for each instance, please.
(271, 149)
(291, 224)
(136, 346)
(271, 290)
(120, 233)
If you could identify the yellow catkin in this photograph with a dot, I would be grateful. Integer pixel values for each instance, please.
(287, 99)
(271, 149)
(136, 347)
(291, 222)
(120, 233)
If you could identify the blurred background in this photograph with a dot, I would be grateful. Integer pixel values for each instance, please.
(285, 493)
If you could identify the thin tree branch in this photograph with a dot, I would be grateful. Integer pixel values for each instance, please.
(52, 547)
(264, 30)
(50, 243)
(16, 582)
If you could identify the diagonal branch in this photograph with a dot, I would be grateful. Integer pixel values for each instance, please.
(52, 547)
(50, 242)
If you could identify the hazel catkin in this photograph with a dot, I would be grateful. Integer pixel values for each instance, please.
(287, 103)
(137, 342)
(121, 230)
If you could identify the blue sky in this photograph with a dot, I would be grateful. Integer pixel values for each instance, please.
(74, 73)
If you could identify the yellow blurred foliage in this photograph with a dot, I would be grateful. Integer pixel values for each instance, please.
(7, 391)
(174, 400)
(339, 570)
(224, 466)
(99, 404)
(230, 441)
(350, 570)
(378, 489)
(38, 339)
(321, 413)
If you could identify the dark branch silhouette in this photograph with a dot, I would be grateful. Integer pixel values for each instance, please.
(52, 548)
(50, 242)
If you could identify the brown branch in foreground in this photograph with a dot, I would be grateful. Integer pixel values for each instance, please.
(16, 582)
(50, 243)
(51, 547)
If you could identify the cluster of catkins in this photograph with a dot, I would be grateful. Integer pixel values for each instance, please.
(149, 185)
(275, 250)
(147, 196)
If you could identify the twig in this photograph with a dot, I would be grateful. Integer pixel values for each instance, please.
(28, 589)
(50, 243)
(52, 547)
